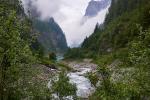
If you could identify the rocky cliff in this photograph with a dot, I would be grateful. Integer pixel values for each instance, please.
(96, 6)
(51, 35)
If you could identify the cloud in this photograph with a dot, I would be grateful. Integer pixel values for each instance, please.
(69, 15)
(75, 26)
(79, 31)
(47, 8)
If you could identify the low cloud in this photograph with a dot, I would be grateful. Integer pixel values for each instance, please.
(69, 14)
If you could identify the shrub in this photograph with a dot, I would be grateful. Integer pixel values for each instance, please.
(63, 88)
(52, 56)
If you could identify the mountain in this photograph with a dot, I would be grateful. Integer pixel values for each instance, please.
(120, 26)
(121, 48)
(96, 6)
(51, 36)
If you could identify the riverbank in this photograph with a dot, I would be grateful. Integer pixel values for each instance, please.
(78, 76)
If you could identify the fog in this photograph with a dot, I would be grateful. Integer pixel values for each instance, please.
(69, 14)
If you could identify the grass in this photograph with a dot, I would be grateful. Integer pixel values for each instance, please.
(92, 77)
(64, 66)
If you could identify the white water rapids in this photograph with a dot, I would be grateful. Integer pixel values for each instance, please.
(83, 84)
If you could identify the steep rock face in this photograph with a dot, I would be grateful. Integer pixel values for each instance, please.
(51, 36)
(96, 6)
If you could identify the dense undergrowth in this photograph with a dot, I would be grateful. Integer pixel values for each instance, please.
(24, 70)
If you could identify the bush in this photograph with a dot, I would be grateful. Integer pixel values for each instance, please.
(63, 88)
(52, 56)
(93, 78)
(74, 53)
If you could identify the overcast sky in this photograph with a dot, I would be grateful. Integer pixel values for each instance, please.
(69, 14)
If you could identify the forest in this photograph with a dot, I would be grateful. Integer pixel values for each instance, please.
(120, 46)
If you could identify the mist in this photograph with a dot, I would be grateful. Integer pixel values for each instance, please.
(69, 14)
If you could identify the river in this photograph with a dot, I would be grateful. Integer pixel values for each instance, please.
(84, 86)
(77, 77)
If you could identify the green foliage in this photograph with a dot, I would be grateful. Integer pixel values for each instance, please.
(121, 48)
(129, 44)
(37, 49)
(104, 91)
(17, 72)
(119, 30)
(91, 41)
(134, 83)
(64, 66)
(48, 32)
(118, 7)
(139, 56)
(79, 53)
(46, 61)
(15, 57)
(74, 53)
(93, 78)
(139, 48)
(63, 88)
(52, 56)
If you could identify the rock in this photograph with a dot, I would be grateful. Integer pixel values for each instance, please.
(51, 66)
(94, 7)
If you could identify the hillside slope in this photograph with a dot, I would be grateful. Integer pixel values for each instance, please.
(51, 36)
(122, 51)
(120, 26)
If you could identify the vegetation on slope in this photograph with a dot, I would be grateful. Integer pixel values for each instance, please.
(22, 71)
(18, 77)
(122, 51)
(51, 36)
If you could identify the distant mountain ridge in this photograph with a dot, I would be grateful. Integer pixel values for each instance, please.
(94, 7)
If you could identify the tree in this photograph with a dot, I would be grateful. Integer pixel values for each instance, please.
(52, 56)
(15, 55)
(16, 58)
(139, 57)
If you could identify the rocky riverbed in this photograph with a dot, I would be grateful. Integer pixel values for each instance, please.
(84, 86)
(77, 77)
